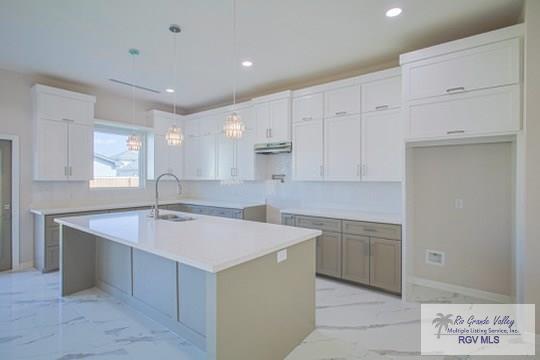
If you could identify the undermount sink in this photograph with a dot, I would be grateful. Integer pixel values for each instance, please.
(175, 218)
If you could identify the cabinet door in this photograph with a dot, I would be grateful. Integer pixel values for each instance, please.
(382, 146)
(261, 112)
(161, 155)
(342, 148)
(308, 150)
(207, 166)
(226, 153)
(381, 95)
(308, 107)
(385, 264)
(343, 101)
(329, 254)
(81, 152)
(61, 108)
(176, 159)
(355, 265)
(280, 120)
(51, 151)
(245, 167)
(191, 158)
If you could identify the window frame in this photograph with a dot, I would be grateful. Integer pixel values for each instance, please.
(125, 129)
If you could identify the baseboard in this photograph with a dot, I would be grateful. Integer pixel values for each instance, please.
(480, 294)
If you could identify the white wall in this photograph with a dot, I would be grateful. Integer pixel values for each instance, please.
(531, 249)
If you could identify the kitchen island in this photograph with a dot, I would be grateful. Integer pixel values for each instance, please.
(237, 289)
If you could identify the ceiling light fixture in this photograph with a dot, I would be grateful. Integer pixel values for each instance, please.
(393, 12)
(174, 135)
(134, 142)
(247, 63)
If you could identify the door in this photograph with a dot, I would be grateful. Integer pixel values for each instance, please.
(329, 254)
(342, 148)
(6, 205)
(280, 115)
(382, 143)
(308, 150)
(385, 264)
(81, 152)
(355, 266)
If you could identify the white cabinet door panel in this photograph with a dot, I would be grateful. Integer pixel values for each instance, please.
(280, 120)
(161, 155)
(489, 111)
(81, 152)
(226, 152)
(191, 158)
(343, 101)
(342, 146)
(478, 68)
(176, 159)
(381, 95)
(261, 112)
(382, 146)
(51, 150)
(308, 107)
(60, 108)
(246, 156)
(207, 157)
(308, 150)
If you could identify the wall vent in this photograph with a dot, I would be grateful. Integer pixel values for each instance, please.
(125, 83)
(435, 257)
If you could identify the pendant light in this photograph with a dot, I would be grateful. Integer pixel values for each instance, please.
(174, 134)
(134, 142)
(234, 127)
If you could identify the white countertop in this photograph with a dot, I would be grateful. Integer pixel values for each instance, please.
(188, 201)
(209, 243)
(385, 218)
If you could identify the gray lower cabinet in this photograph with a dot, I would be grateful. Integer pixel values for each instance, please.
(363, 252)
(113, 265)
(329, 254)
(356, 258)
(385, 269)
(192, 298)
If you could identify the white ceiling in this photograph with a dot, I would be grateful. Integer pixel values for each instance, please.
(291, 42)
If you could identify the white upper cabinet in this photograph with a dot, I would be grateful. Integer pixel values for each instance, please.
(468, 87)
(308, 107)
(381, 95)
(308, 150)
(273, 118)
(166, 158)
(63, 134)
(382, 146)
(481, 67)
(342, 101)
(342, 148)
(200, 148)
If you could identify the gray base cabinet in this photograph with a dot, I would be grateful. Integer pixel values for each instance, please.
(362, 252)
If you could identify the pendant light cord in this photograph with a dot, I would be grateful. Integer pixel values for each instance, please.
(175, 77)
(234, 53)
(132, 88)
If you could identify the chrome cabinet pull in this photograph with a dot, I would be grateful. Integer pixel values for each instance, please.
(455, 132)
(270, 132)
(318, 224)
(322, 170)
(307, 118)
(364, 170)
(455, 90)
(70, 171)
(370, 230)
(341, 113)
(381, 107)
(65, 171)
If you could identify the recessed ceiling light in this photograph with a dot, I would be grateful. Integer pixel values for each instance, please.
(393, 12)
(170, 91)
(247, 63)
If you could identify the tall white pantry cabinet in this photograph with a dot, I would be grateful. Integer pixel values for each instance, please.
(63, 134)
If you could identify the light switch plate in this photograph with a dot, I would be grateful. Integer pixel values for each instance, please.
(281, 255)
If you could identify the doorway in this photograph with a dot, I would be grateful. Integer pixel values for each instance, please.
(6, 205)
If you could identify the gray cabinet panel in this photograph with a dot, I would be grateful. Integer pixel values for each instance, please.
(386, 231)
(154, 282)
(192, 298)
(355, 258)
(385, 271)
(52, 258)
(52, 237)
(324, 224)
(287, 219)
(113, 264)
(329, 254)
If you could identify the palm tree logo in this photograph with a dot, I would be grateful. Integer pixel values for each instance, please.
(442, 321)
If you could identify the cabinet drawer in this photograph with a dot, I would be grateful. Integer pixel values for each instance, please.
(387, 231)
(381, 95)
(484, 112)
(287, 219)
(308, 107)
(483, 67)
(343, 101)
(324, 224)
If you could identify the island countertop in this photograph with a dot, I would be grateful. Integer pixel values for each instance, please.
(208, 243)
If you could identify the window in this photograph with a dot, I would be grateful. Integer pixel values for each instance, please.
(114, 165)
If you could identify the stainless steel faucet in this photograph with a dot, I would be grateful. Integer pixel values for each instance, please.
(156, 205)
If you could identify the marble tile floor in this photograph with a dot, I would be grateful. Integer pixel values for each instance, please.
(352, 323)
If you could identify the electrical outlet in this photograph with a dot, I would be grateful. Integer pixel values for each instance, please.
(459, 203)
(435, 257)
(281, 255)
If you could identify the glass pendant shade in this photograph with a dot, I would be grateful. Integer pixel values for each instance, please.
(174, 136)
(234, 127)
(134, 143)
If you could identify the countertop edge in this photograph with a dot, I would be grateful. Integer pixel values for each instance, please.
(382, 218)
